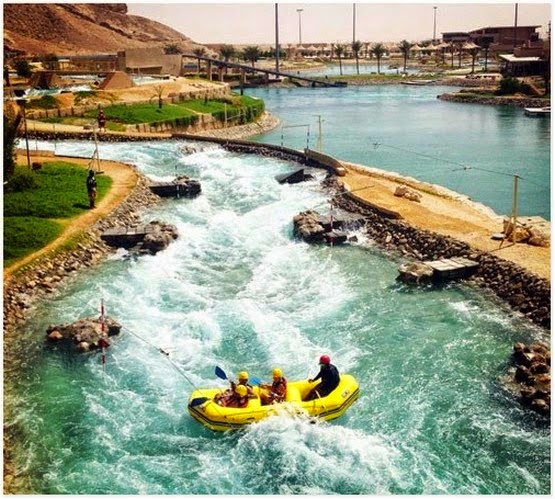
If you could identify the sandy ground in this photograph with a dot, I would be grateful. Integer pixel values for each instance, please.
(446, 215)
(142, 92)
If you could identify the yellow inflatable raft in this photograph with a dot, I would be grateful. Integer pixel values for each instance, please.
(203, 408)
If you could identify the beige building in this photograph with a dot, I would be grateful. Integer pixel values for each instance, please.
(150, 61)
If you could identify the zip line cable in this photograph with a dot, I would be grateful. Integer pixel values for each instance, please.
(463, 166)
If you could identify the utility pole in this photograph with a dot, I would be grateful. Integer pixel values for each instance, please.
(515, 204)
(300, 30)
(516, 23)
(354, 21)
(434, 38)
(277, 38)
(319, 141)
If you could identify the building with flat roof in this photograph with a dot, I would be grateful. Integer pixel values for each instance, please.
(504, 38)
(512, 65)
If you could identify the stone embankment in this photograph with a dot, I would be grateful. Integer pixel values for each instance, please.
(533, 375)
(209, 131)
(474, 98)
(524, 292)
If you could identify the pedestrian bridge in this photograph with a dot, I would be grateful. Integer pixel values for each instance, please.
(244, 69)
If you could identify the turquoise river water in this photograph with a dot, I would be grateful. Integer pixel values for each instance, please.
(236, 290)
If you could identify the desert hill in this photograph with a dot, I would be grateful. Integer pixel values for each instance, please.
(95, 28)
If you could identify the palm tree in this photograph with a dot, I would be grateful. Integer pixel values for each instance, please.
(339, 52)
(199, 52)
(451, 50)
(159, 89)
(11, 124)
(378, 50)
(226, 53)
(404, 47)
(460, 48)
(474, 52)
(357, 47)
(251, 54)
(172, 48)
(485, 46)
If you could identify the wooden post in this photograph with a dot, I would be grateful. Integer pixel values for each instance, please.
(95, 154)
(319, 142)
(515, 205)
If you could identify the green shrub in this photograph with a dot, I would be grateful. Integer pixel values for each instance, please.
(510, 86)
(23, 68)
(83, 94)
(21, 181)
(44, 102)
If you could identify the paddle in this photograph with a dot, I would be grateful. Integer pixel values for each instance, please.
(198, 401)
(220, 373)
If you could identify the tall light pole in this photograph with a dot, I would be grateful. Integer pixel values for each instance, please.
(516, 24)
(300, 31)
(435, 11)
(277, 38)
(354, 21)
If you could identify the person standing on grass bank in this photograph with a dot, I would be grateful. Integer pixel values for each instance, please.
(91, 188)
(330, 379)
(101, 121)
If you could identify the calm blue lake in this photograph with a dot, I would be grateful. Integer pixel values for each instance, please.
(236, 290)
(470, 148)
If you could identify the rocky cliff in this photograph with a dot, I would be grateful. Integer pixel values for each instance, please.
(95, 28)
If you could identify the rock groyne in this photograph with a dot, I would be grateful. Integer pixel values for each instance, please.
(524, 292)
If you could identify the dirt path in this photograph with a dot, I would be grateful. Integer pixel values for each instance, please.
(458, 218)
(124, 178)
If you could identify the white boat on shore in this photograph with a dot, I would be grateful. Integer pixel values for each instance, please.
(417, 82)
(537, 111)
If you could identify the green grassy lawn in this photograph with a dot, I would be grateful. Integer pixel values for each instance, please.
(143, 113)
(186, 112)
(36, 204)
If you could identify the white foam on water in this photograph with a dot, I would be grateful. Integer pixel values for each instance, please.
(289, 280)
(305, 454)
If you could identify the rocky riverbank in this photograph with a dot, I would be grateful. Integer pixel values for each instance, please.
(525, 293)
(476, 98)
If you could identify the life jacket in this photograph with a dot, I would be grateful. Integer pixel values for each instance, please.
(282, 382)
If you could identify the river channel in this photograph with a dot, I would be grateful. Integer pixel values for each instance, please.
(236, 290)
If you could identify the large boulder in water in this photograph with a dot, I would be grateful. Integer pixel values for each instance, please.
(159, 237)
(307, 226)
(415, 272)
(84, 334)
